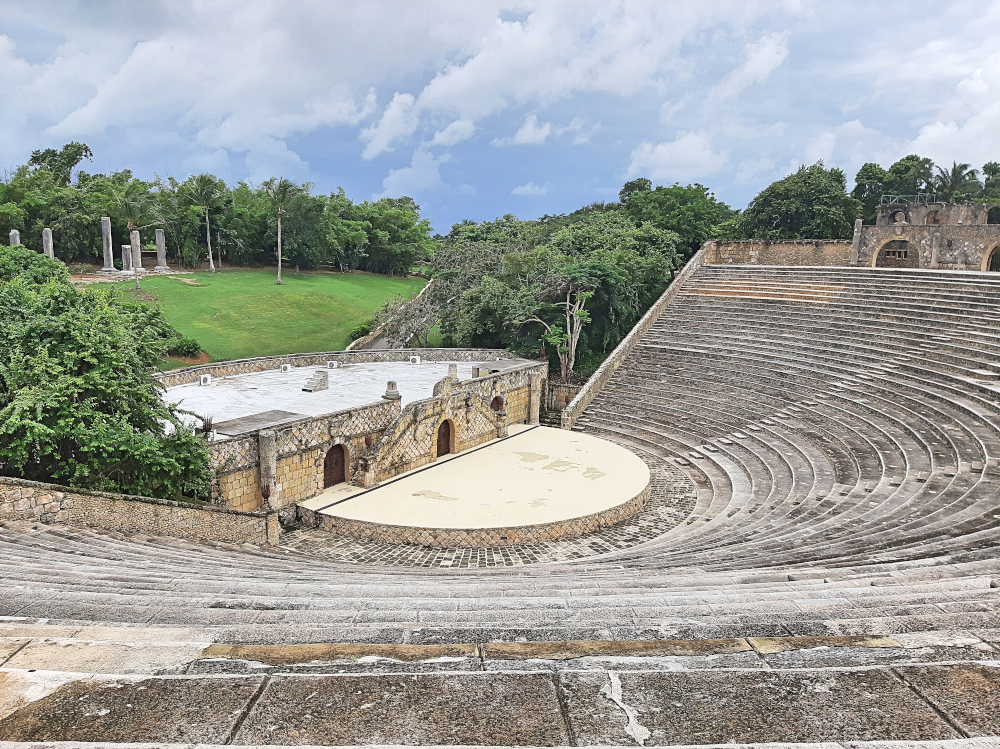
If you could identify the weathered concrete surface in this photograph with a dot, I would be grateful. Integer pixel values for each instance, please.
(493, 709)
(279, 655)
(711, 707)
(161, 710)
(968, 693)
(624, 648)
(103, 657)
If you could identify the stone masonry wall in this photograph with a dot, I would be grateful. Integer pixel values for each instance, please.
(600, 378)
(412, 441)
(263, 363)
(302, 446)
(48, 503)
(960, 247)
(785, 252)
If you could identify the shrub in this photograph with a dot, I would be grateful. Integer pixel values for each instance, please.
(360, 331)
(188, 347)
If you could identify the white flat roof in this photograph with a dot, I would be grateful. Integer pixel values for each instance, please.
(351, 385)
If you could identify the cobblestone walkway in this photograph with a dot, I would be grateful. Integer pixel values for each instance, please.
(671, 500)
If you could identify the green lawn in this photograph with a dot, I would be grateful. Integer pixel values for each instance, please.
(242, 313)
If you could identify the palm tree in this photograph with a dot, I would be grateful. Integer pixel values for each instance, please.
(281, 193)
(207, 192)
(134, 205)
(960, 178)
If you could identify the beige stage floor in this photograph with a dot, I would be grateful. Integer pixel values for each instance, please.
(538, 475)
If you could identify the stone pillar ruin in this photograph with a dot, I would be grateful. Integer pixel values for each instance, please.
(109, 255)
(126, 258)
(47, 243)
(453, 371)
(267, 444)
(15, 237)
(501, 423)
(961, 260)
(391, 392)
(136, 251)
(935, 249)
(161, 251)
(856, 243)
(535, 402)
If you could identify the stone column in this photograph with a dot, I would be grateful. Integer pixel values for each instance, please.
(109, 255)
(161, 251)
(136, 251)
(935, 249)
(15, 237)
(535, 401)
(856, 243)
(268, 447)
(47, 243)
(501, 423)
(126, 258)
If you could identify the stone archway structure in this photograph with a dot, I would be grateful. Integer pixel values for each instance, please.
(336, 466)
(991, 260)
(896, 253)
(445, 439)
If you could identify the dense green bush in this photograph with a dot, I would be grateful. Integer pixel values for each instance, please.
(360, 331)
(187, 347)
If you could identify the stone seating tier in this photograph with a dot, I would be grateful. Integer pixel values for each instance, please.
(838, 578)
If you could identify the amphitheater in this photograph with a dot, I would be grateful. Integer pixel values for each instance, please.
(818, 562)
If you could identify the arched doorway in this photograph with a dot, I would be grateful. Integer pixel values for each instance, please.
(335, 466)
(444, 438)
(992, 261)
(897, 254)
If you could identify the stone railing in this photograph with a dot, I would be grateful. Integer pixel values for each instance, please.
(594, 385)
(122, 513)
(263, 363)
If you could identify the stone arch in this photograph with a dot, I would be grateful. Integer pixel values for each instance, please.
(934, 218)
(497, 404)
(336, 465)
(991, 260)
(897, 253)
(444, 438)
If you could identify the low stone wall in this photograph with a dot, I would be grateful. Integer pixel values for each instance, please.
(780, 252)
(263, 363)
(48, 503)
(600, 378)
(464, 538)
(558, 396)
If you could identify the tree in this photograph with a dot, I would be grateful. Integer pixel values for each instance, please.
(206, 192)
(812, 203)
(62, 162)
(961, 178)
(991, 181)
(868, 189)
(281, 192)
(78, 403)
(690, 211)
(911, 175)
(642, 184)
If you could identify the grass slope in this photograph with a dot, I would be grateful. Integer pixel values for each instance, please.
(237, 314)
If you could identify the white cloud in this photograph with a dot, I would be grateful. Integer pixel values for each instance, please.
(761, 58)
(529, 134)
(398, 121)
(531, 189)
(689, 157)
(421, 176)
(456, 132)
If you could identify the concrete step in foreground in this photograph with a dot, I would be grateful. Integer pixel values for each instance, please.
(165, 687)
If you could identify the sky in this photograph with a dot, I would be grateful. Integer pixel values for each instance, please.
(479, 109)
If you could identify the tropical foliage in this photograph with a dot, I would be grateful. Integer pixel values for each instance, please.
(78, 405)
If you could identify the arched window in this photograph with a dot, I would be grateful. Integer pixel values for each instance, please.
(335, 466)
(497, 403)
(994, 263)
(934, 218)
